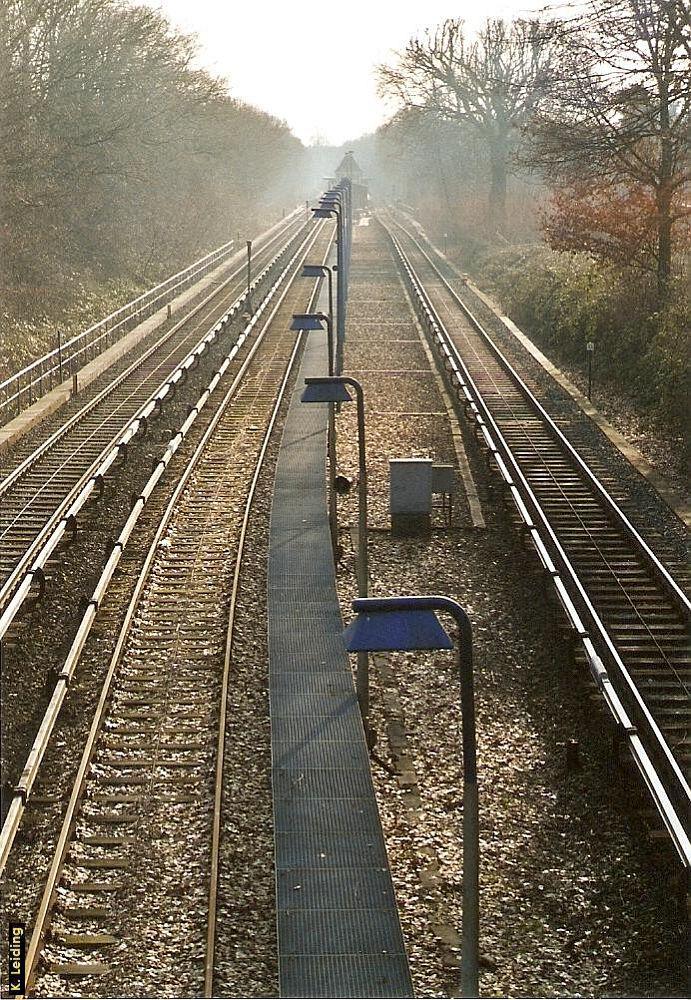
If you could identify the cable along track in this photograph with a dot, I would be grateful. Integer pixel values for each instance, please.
(629, 613)
(135, 840)
(35, 495)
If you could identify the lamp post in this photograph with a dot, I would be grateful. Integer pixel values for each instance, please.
(332, 203)
(320, 271)
(347, 188)
(334, 390)
(407, 623)
(338, 198)
(314, 321)
(341, 196)
(325, 211)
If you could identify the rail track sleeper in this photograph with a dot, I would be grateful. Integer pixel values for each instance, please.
(85, 940)
(96, 841)
(113, 819)
(151, 764)
(78, 970)
(93, 888)
(123, 781)
(114, 799)
(84, 912)
(46, 800)
(557, 516)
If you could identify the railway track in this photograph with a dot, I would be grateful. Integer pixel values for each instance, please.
(41, 496)
(629, 614)
(146, 801)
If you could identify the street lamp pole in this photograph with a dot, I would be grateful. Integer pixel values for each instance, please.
(329, 277)
(327, 208)
(590, 350)
(339, 198)
(362, 484)
(320, 271)
(341, 195)
(313, 321)
(362, 673)
(406, 623)
(340, 289)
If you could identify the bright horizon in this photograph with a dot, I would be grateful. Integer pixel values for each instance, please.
(272, 55)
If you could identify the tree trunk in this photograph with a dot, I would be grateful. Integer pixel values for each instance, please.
(443, 186)
(497, 190)
(664, 240)
(663, 194)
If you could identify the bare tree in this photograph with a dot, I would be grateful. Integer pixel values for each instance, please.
(493, 84)
(115, 151)
(620, 106)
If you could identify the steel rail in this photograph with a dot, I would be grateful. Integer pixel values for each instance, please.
(564, 580)
(45, 446)
(38, 749)
(599, 546)
(49, 536)
(64, 839)
(658, 568)
(209, 958)
(51, 364)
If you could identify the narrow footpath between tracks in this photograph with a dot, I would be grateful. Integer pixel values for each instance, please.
(338, 928)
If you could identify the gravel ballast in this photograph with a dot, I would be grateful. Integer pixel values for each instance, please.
(574, 900)
(166, 977)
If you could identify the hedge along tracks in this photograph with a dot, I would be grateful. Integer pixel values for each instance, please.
(41, 498)
(621, 604)
(148, 761)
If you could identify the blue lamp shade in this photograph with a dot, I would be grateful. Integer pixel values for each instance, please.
(306, 321)
(325, 392)
(385, 631)
(313, 270)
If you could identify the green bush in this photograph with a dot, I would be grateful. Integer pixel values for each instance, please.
(26, 335)
(666, 361)
(563, 300)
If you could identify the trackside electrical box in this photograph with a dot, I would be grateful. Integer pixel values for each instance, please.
(410, 494)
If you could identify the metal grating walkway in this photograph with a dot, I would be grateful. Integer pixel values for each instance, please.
(338, 928)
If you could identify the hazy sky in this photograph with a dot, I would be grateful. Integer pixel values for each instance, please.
(311, 64)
